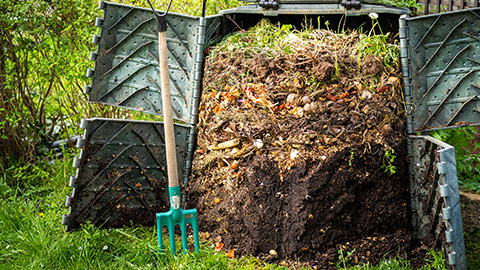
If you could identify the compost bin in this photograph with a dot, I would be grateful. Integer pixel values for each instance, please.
(303, 182)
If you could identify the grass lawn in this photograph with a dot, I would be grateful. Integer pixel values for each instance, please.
(32, 204)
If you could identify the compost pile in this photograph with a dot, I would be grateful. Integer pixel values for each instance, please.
(301, 147)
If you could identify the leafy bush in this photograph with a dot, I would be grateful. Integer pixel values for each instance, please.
(466, 152)
(43, 57)
(44, 48)
(413, 5)
(190, 7)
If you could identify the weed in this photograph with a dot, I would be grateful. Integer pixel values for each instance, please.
(344, 259)
(352, 153)
(388, 159)
(337, 69)
(435, 260)
(311, 83)
(265, 38)
(377, 45)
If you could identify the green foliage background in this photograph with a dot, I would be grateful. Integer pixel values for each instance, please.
(44, 44)
(43, 58)
(467, 152)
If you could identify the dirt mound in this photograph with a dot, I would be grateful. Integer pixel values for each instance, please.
(301, 150)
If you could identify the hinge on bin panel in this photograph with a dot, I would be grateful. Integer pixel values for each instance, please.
(269, 4)
(349, 4)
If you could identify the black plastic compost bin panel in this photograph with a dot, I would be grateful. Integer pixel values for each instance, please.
(435, 200)
(331, 14)
(126, 72)
(441, 69)
(121, 174)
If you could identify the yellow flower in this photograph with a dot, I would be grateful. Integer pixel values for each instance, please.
(40, 215)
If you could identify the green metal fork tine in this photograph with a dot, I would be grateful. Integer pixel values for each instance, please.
(191, 217)
(177, 216)
(183, 227)
(159, 234)
(171, 231)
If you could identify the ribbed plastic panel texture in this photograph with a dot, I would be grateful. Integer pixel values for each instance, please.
(126, 72)
(435, 200)
(441, 69)
(315, 8)
(121, 177)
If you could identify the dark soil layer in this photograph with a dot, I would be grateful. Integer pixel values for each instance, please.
(316, 208)
(284, 168)
(471, 226)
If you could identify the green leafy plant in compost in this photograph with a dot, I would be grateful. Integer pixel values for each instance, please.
(344, 258)
(265, 38)
(388, 159)
(378, 44)
(350, 159)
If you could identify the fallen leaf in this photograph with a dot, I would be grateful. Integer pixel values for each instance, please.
(332, 98)
(382, 89)
(358, 86)
(235, 92)
(256, 94)
(228, 97)
(219, 246)
(218, 109)
(231, 254)
(297, 83)
(365, 109)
